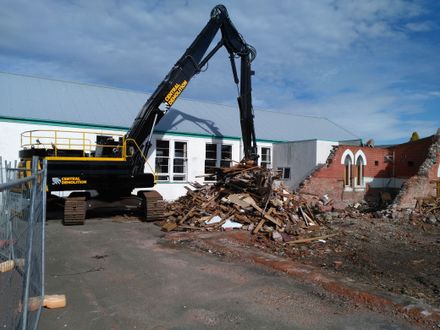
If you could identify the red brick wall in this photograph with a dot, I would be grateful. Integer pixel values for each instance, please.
(409, 156)
(381, 170)
(419, 186)
(416, 186)
(318, 186)
(407, 160)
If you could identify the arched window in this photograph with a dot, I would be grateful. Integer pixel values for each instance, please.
(347, 170)
(360, 171)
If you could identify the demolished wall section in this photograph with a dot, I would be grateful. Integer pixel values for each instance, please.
(386, 169)
(409, 157)
(329, 180)
(424, 182)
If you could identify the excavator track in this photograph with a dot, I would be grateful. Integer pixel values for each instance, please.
(75, 210)
(154, 206)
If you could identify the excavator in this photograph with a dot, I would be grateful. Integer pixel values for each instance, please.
(114, 166)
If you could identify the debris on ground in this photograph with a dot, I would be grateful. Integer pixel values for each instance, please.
(428, 209)
(370, 242)
(246, 197)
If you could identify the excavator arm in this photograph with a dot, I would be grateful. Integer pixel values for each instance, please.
(179, 76)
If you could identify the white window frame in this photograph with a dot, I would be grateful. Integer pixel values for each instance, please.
(218, 159)
(348, 179)
(211, 178)
(224, 160)
(268, 163)
(157, 168)
(360, 169)
(184, 174)
(360, 172)
(171, 175)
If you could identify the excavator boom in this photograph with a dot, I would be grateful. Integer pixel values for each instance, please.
(181, 73)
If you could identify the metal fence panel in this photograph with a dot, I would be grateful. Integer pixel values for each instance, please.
(22, 220)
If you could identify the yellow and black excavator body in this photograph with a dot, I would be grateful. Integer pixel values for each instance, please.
(114, 165)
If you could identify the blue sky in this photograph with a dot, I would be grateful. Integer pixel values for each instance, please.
(371, 66)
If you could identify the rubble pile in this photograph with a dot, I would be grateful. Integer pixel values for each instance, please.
(431, 158)
(429, 209)
(245, 197)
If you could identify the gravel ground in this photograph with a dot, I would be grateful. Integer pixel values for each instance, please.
(117, 274)
(399, 256)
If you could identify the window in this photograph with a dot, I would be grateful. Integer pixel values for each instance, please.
(216, 155)
(376, 163)
(162, 160)
(210, 160)
(347, 171)
(179, 161)
(226, 159)
(285, 172)
(174, 153)
(265, 158)
(360, 171)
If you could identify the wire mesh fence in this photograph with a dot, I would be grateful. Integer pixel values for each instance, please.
(22, 218)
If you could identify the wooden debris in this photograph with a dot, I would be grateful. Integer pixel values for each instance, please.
(54, 301)
(246, 194)
(48, 301)
(428, 206)
(311, 239)
(168, 226)
(7, 266)
(260, 224)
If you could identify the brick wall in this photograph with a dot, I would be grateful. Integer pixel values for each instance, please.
(336, 169)
(319, 186)
(424, 183)
(409, 158)
(330, 179)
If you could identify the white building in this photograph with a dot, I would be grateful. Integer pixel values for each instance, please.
(192, 138)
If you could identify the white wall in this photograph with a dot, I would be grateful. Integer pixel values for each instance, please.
(323, 149)
(301, 157)
(196, 160)
(10, 145)
(195, 163)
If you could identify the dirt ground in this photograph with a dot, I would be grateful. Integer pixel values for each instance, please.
(118, 273)
(399, 256)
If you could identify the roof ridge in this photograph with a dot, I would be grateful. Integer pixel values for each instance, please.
(149, 94)
(73, 82)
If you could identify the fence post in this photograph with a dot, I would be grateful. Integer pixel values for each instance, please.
(43, 227)
(30, 239)
(2, 181)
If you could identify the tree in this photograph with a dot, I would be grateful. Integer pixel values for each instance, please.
(414, 137)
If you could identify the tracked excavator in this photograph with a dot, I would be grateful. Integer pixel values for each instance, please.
(113, 165)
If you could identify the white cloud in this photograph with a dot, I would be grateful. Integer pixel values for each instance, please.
(368, 116)
(322, 57)
(421, 26)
